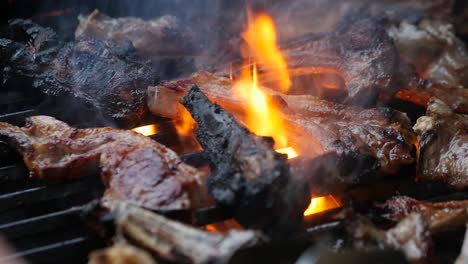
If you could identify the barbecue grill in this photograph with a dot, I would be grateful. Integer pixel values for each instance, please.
(52, 221)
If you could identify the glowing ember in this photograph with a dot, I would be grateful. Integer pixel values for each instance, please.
(184, 125)
(288, 151)
(148, 130)
(261, 39)
(320, 204)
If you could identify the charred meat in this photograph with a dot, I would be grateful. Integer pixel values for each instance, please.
(360, 51)
(175, 242)
(95, 73)
(410, 235)
(382, 137)
(249, 175)
(159, 37)
(443, 145)
(133, 167)
(435, 51)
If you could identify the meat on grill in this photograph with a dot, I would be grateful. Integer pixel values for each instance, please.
(249, 176)
(359, 50)
(410, 235)
(434, 50)
(175, 242)
(133, 167)
(161, 37)
(443, 145)
(91, 72)
(439, 216)
(381, 135)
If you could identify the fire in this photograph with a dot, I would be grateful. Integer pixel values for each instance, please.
(288, 151)
(262, 116)
(185, 123)
(261, 39)
(320, 204)
(148, 130)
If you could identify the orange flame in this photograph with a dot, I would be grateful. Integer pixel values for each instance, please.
(261, 39)
(320, 204)
(288, 151)
(148, 130)
(184, 125)
(262, 117)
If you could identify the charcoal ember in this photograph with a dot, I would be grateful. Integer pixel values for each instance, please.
(249, 175)
(359, 50)
(106, 77)
(156, 38)
(423, 91)
(175, 242)
(443, 145)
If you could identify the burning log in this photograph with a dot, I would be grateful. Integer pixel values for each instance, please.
(443, 145)
(249, 175)
(176, 242)
(90, 73)
(150, 38)
(370, 137)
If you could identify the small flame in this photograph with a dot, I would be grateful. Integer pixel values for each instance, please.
(184, 125)
(320, 204)
(261, 39)
(148, 130)
(288, 151)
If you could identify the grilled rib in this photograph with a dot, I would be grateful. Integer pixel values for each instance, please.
(383, 135)
(133, 167)
(438, 216)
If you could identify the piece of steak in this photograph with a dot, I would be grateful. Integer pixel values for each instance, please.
(133, 167)
(443, 145)
(91, 73)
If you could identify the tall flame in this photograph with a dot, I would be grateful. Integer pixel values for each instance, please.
(261, 39)
(262, 116)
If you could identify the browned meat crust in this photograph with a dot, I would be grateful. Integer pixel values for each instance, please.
(438, 216)
(360, 51)
(382, 134)
(443, 145)
(91, 73)
(159, 37)
(410, 235)
(133, 167)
